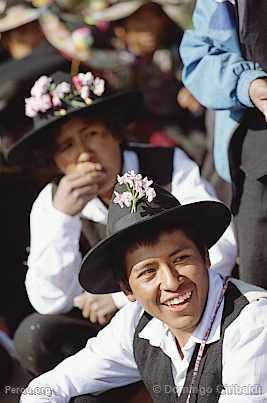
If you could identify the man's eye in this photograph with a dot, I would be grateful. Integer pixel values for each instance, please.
(147, 272)
(180, 259)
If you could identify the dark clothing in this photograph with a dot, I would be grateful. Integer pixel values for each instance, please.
(43, 341)
(248, 158)
(6, 365)
(253, 30)
(155, 366)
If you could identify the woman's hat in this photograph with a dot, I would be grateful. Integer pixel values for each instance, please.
(119, 9)
(136, 205)
(16, 14)
(55, 98)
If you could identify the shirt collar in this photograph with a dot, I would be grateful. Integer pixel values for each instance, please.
(156, 331)
(95, 210)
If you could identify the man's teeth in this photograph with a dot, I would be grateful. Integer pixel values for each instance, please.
(182, 298)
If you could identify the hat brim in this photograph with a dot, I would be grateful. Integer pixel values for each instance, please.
(125, 9)
(127, 105)
(209, 217)
(25, 15)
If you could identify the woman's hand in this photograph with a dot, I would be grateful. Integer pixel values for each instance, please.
(99, 308)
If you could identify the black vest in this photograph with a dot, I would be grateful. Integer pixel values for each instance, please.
(154, 162)
(247, 150)
(155, 366)
(252, 16)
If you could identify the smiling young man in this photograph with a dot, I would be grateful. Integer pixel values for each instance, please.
(190, 335)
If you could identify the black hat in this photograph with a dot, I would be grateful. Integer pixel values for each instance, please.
(125, 105)
(211, 218)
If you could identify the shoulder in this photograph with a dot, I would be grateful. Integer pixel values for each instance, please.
(44, 198)
(251, 323)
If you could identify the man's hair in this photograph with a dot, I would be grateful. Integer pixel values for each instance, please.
(149, 236)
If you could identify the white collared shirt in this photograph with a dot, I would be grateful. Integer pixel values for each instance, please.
(55, 259)
(107, 361)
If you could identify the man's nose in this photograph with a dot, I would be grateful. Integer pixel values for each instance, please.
(170, 278)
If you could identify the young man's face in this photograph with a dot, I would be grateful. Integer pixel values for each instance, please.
(170, 279)
(83, 143)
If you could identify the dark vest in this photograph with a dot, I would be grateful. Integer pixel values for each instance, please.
(155, 366)
(253, 30)
(247, 150)
(154, 162)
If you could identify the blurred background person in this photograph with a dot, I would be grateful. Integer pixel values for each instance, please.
(225, 62)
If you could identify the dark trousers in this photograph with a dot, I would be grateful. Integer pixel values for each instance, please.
(43, 341)
(6, 365)
(248, 165)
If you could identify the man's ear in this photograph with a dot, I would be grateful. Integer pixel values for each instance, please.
(128, 292)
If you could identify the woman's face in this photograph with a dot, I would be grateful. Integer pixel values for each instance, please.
(83, 141)
(144, 31)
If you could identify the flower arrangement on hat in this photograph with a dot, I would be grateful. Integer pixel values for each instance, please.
(138, 188)
(46, 96)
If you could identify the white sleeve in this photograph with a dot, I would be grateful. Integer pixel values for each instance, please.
(189, 187)
(119, 299)
(244, 373)
(106, 362)
(54, 260)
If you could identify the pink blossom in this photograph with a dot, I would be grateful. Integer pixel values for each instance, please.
(59, 92)
(118, 199)
(122, 199)
(98, 86)
(34, 105)
(150, 194)
(85, 91)
(31, 107)
(56, 101)
(77, 82)
(147, 183)
(45, 103)
(41, 86)
(127, 198)
(86, 79)
(62, 89)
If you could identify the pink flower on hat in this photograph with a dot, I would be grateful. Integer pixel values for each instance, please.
(59, 93)
(41, 86)
(46, 95)
(98, 86)
(137, 189)
(34, 105)
(123, 199)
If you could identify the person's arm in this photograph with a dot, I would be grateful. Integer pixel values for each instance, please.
(244, 356)
(54, 260)
(189, 187)
(214, 70)
(106, 362)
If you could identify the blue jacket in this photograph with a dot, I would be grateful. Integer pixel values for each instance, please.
(216, 73)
